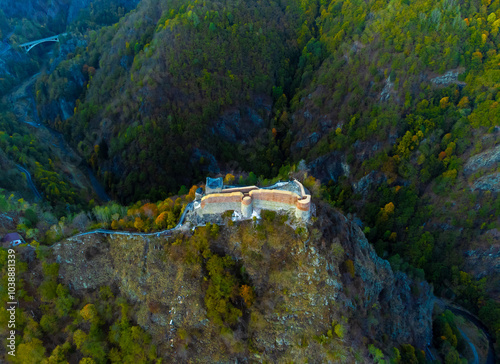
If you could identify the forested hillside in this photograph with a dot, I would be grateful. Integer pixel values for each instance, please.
(393, 107)
(25, 21)
(195, 77)
(26, 146)
(20, 147)
(402, 119)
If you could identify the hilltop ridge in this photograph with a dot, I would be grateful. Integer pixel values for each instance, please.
(329, 279)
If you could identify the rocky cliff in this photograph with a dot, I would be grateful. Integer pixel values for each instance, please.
(322, 295)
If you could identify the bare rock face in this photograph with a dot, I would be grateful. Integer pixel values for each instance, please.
(484, 261)
(486, 159)
(330, 166)
(138, 268)
(364, 185)
(240, 125)
(448, 78)
(400, 307)
(385, 95)
(321, 296)
(490, 182)
(209, 164)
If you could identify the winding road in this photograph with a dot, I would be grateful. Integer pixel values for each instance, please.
(473, 348)
(24, 106)
(490, 359)
(32, 186)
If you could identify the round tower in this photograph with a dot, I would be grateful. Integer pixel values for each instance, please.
(303, 207)
(246, 207)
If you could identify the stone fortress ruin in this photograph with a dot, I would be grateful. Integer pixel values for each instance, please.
(247, 201)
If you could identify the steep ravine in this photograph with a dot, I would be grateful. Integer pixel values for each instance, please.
(23, 105)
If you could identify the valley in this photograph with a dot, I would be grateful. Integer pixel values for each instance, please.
(387, 114)
(23, 105)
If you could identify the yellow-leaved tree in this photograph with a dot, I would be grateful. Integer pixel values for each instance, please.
(229, 179)
(89, 312)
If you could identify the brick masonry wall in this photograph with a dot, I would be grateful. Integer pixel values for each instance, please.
(218, 203)
(221, 198)
(304, 204)
(281, 197)
(219, 208)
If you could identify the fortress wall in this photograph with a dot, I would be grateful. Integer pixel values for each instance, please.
(273, 206)
(304, 204)
(247, 207)
(301, 186)
(221, 198)
(284, 197)
(274, 199)
(218, 203)
(220, 208)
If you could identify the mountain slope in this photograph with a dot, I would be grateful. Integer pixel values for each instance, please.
(257, 291)
(163, 76)
(401, 120)
(393, 106)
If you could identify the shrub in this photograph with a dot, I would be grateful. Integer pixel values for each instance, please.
(349, 266)
(267, 215)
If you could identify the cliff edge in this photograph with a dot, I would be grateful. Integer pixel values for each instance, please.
(321, 294)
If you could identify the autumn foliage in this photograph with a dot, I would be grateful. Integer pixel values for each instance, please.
(149, 216)
(89, 312)
(248, 295)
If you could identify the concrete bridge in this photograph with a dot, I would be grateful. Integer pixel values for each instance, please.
(28, 46)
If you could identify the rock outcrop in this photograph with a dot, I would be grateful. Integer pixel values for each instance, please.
(365, 184)
(388, 90)
(490, 182)
(483, 262)
(487, 159)
(330, 166)
(306, 287)
(448, 78)
(391, 293)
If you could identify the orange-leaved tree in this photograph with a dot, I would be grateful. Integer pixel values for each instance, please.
(248, 294)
